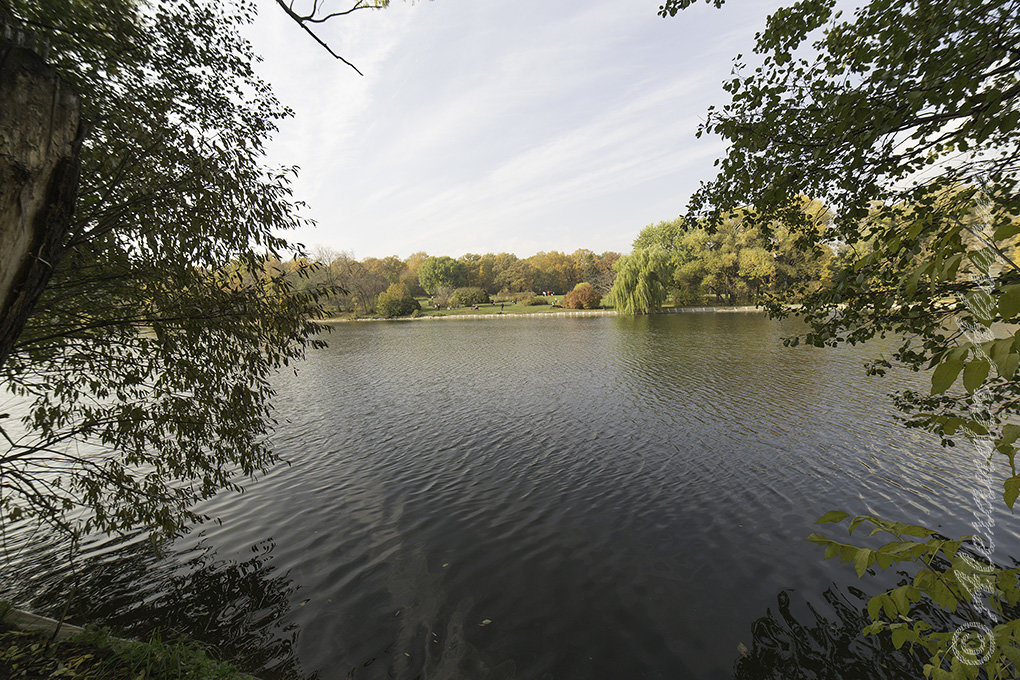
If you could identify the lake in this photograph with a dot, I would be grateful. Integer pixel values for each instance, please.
(602, 497)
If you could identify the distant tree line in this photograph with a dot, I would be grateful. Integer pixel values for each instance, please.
(673, 262)
(357, 285)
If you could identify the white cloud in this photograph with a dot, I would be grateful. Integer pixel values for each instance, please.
(499, 126)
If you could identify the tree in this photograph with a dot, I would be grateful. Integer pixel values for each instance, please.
(39, 165)
(512, 274)
(584, 296)
(145, 366)
(389, 268)
(441, 272)
(641, 280)
(554, 271)
(596, 269)
(359, 285)
(396, 301)
(409, 276)
(471, 295)
(904, 120)
(321, 12)
(480, 271)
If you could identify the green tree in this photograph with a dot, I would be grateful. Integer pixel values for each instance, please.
(641, 280)
(441, 272)
(904, 119)
(480, 271)
(396, 301)
(513, 274)
(145, 367)
(664, 235)
(470, 295)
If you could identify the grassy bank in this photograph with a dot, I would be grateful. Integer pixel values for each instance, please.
(494, 309)
(488, 308)
(94, 655)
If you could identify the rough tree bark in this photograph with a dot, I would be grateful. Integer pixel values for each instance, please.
(40, 138)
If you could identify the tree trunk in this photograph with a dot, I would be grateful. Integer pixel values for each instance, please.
(40, 137)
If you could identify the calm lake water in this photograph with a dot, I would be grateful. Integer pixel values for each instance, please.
(544, 498)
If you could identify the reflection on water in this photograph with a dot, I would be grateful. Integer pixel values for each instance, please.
(238, 606)
(818, 635)
(545, 498)
(821, 638)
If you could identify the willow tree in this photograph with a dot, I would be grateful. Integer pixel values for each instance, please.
(903, 118)
(141, 382)
(641, 281)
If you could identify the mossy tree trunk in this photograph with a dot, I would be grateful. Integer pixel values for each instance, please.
(40, 136)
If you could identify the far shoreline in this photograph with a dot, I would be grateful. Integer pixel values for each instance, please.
(532, 315)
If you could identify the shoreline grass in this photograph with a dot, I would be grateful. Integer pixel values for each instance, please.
(93, 654)
(493, 310)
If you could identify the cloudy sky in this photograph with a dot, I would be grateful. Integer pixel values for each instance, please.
(500, 125)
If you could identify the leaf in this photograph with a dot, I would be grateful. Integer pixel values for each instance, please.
(975, 373)
(1007, 367)
(951, 266)
(899, 598)
(862, 560)
(981, 306)
(1012, 490)
(1009, 302)
(832, 516)
(899, 636)
(875, 606)
(945, 375)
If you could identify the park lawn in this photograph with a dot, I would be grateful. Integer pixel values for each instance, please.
(489, 308)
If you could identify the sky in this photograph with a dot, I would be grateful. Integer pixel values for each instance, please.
(499, 125)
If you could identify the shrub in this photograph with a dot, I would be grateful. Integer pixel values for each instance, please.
(396, 301)
(584, 296)
(464, 297)
(535, 300)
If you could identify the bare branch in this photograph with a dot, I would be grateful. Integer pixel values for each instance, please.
(301, 21)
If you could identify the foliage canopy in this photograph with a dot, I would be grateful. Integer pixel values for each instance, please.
(641, 280)
(901, 119)
(145, 370)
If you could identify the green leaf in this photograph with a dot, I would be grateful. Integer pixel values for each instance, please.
(1012, 490)
(1006, 231)
(975, 373)
(900, 635)
(951, 266)
(862, 561)
(981, 306)
(832, 516)
(899, 598)
(1009, 302)
(875, 606)
(1007, 367)
(945, 375)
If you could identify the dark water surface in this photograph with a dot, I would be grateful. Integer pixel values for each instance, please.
(544, 498)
